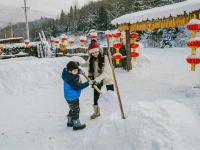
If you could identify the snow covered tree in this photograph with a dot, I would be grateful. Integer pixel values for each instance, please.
(102, 21)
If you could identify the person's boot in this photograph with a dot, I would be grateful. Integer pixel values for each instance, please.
(96, 112)
(77, 125)
(69, 122)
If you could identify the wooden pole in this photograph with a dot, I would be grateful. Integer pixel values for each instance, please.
(128, 50)
(115, 80)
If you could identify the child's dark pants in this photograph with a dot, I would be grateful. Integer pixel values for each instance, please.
(74, 109)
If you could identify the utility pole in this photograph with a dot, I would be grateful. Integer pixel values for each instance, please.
(26, 18)
(11, 30)
(5, 34)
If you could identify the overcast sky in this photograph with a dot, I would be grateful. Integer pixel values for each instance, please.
(52, 7)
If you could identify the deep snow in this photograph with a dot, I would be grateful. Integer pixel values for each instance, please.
(160, 102)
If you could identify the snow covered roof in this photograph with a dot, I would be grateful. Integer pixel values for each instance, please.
(172, 10)
(9, 39)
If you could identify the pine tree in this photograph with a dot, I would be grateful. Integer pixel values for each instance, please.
(62, 17)
(102, 22)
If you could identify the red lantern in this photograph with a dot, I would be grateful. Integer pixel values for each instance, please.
(117, 57)
(56, 41)
(117, 45)
(109, 36)
(52, 40)
(93, 35)
(63, 38)
(134, 35)
(83, 40)
(134, 45)
(193, 61)
(194, 43)
(193, 27)
(134, 54)
(1, 49)
(71, 42)
(116, 34)
(26, 42)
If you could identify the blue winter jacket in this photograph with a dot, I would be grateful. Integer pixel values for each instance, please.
(72, 88)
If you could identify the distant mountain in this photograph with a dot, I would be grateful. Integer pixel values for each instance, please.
(13, 15)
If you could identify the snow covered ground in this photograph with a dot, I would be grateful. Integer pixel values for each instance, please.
(161, 105)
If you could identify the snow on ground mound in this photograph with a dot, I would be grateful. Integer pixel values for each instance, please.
(163, 125)
(160, 103)
(20, 75)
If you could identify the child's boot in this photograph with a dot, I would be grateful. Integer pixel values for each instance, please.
(77, 125)
(69, 122)
(96, 112)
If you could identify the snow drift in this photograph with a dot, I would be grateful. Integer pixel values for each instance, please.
(161, 106)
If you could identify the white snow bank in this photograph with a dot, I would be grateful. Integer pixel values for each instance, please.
(161, 125)
(160, 103)
(19, 75)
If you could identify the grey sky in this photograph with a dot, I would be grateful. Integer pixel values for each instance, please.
(52, 7)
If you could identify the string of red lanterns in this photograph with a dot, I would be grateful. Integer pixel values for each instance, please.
(134, 45)
(193, 43)
(117, 56)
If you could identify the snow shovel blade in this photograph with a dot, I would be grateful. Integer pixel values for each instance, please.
(108, 102)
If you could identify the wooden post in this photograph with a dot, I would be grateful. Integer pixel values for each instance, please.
(115, 80)
(128, 50)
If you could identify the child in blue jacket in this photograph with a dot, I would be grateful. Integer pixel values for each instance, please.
(72, 91)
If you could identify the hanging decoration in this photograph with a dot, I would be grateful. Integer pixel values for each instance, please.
(134, 45)
(63, 43)
(52, 40)
(71, 42)
(1, 49)
(93, 35)
(116, 35)
(26, 43)
(83, 40)
(63, 38)
(108, 35)
(193, 43)
(117, 56)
